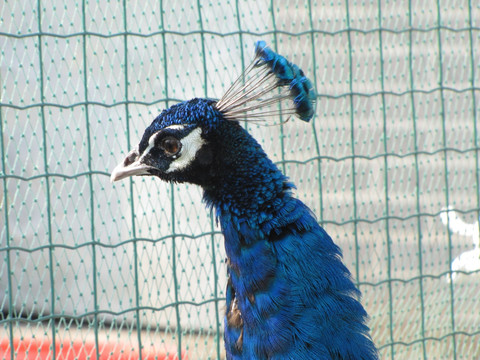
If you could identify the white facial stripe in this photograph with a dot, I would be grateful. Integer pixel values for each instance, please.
(190, 145)
(175, 127)
(151, 144)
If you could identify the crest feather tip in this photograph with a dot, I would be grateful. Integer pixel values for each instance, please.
(255, 88)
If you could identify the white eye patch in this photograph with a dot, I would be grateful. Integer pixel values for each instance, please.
(190, 146)
(191, 143)
(151, 139)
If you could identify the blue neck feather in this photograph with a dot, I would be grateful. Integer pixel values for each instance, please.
(289, 294)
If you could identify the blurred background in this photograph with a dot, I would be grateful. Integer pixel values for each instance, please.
(136, 269)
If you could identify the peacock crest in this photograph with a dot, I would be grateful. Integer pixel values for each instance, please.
(268, 81)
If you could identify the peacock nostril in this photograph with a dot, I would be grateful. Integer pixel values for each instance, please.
(130, 158)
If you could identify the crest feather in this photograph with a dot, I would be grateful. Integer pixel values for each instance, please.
(255, 89)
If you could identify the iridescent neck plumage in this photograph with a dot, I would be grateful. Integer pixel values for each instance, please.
(255, 191)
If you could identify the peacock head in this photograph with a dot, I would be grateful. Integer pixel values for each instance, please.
(177, 144)
(197, 140)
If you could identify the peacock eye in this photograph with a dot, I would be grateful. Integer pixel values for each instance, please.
(171, 146)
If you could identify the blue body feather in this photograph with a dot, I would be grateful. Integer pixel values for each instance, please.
(289, 295)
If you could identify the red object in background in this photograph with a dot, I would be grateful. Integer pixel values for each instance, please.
(34, 349)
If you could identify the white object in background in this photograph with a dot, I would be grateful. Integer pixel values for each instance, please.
(467, 261)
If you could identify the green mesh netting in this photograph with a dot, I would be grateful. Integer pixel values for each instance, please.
(135, 269)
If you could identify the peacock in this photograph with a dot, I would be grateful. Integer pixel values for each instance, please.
(288, 295)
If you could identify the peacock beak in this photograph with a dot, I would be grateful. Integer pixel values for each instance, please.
(130, 166)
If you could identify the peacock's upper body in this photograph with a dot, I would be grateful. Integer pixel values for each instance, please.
(288, 296)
